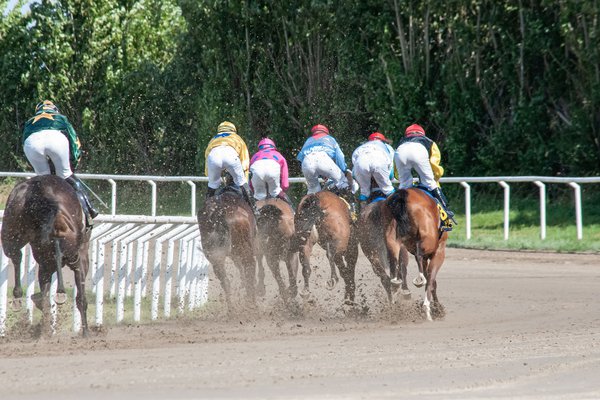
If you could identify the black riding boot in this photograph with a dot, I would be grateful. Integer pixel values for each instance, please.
(210, 192)
(283, 196)
(86, 204)
(437, 192)
(249, 198)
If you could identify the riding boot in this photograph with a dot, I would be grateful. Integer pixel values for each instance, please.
(249, 198)
(86, 204)
(283, 196)
(437, 192)
(210, 192)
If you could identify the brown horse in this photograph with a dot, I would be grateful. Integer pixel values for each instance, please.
(275, 233)
(228, 229)
(418, 228)
(377, 237)
(45, 212)
(329, 214)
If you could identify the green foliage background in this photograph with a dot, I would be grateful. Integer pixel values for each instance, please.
(505, 87)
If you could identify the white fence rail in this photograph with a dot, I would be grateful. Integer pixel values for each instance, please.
(131, 258)
(465, 182)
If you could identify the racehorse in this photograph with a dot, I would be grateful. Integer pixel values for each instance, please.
(418, 229)
(275, 234)
(228, 229)
(377, 238)
(330, 215)
(45, 212)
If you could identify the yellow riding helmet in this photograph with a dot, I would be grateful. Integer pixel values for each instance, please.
(226, 127)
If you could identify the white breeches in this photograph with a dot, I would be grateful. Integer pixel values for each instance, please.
(373, 165)
(40, 146)
(319, 164)
(411, 156)
(266, 178)
(224, 158)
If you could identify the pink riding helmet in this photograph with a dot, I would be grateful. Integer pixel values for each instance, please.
(266, 143)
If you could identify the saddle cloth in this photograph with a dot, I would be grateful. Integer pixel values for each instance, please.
(445, 222)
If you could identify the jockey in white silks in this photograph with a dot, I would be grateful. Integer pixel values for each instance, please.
(373, 159)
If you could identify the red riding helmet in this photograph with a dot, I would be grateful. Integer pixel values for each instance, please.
(315, 130)
(378, 136)
(415, 130)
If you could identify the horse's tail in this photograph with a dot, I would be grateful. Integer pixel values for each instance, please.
(398, 206)
(43, 212)
(309, 213)
(268, 218)
(217, 226)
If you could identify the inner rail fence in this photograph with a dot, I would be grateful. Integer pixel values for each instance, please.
(465, 182)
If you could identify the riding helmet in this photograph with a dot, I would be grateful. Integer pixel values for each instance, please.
(266, 143)
(319, 129)
(415, 130)
(46, 105)
(226, 127)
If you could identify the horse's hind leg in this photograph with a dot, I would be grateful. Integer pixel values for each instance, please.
(260, 285)
(61, 295)
(403, 264)
(433, 268)
(291, 263)
(81, 300)
(16, 256)
(247, 265)
(347, 271)
(43, 301)
(304, 255)
(333, 280)
(273, 262)
(219, 269)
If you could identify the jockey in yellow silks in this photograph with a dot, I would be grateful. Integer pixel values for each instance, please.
(416, 151)
(228, 151)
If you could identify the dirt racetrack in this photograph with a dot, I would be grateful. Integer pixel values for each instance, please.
(517, 325)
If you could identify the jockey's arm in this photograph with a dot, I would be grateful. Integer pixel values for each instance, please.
(434, 159)
(74, 144)
(284, 175)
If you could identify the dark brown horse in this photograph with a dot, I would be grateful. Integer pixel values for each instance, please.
(228, 229)
(334, 232)
(275, 233)
(418, 228)
(379, 243)
(45, 212)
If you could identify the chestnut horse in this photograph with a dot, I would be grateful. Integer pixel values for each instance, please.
(228, 229)
(418, 229)
(45, 212)
(377, 237)
(330, 215)
(275, 234)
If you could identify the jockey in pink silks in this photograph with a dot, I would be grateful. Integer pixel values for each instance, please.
(269, 172)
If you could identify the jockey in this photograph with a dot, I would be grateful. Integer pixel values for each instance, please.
(269, 172)
(416, 151)
(321, 156)
(50, 135)
(227, 151)
(373, 159)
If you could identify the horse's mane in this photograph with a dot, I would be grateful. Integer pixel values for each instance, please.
(398, 207)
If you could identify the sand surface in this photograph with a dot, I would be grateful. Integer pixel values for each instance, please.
(517, 326)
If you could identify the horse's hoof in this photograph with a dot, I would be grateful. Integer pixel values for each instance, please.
(331, 284)
(16, 304)
(350, 303)
(60, 298)
(37, 300)
(419, 281)
(406, 294)
(396, 282)
(305, 294)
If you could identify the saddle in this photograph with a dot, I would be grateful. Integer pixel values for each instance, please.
(445, 222)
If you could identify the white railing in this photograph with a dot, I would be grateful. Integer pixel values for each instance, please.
(539, 181)
(126, 252)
